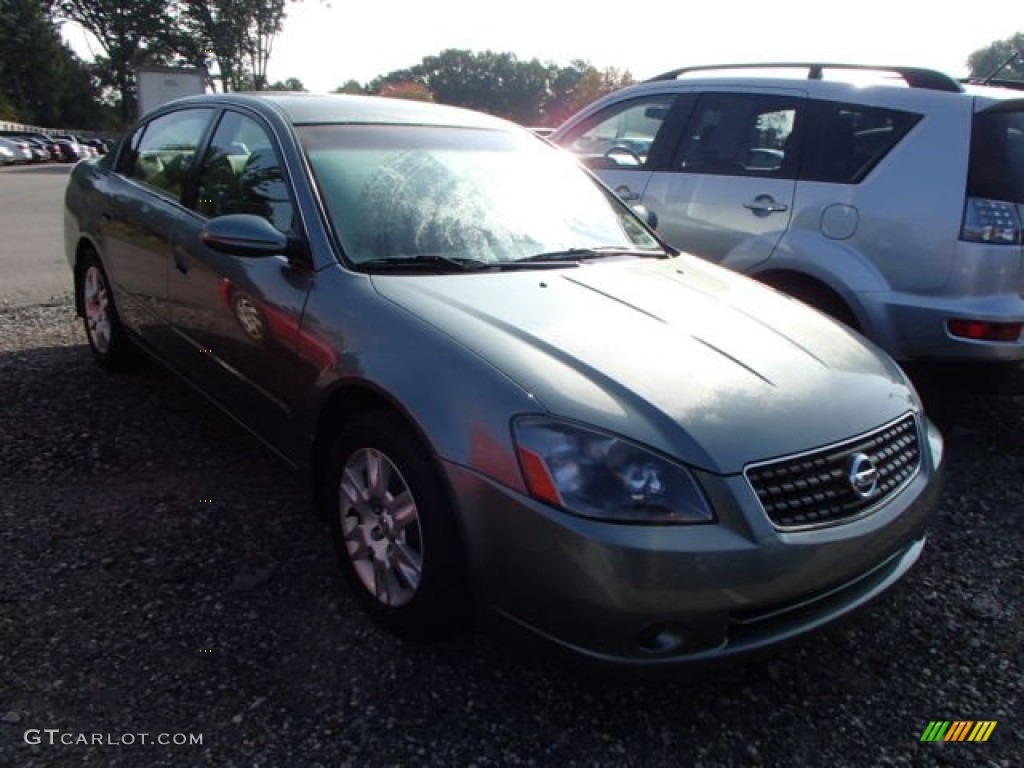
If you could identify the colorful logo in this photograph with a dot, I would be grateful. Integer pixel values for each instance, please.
(958, 730)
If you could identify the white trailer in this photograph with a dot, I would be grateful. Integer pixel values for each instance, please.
(158, 85)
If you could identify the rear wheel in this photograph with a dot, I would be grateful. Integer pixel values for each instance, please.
(394, 528)
(103, 328)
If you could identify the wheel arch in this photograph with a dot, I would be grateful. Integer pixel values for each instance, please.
(354, 398)
(84, 247)
(349, 399)
(816, 292)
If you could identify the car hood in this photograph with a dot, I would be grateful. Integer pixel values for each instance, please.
(686, 357)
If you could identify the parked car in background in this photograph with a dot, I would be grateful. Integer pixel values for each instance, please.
(19, 150)
(887, 197)
(6, 155)
(40, 150)
(69, 151)
(523, 399)
(97, 144)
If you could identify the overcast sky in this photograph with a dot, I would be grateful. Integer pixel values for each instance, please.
(326, 45)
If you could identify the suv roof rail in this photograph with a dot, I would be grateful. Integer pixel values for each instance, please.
(915, 77)
(998, 82)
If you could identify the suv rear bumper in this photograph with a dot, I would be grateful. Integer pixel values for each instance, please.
(915, 328)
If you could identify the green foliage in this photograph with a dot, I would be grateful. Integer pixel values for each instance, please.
(233, 37)
(984, 61)
(291, 84)
(350, 86)
(410, 91)
(42, 81)
(131, 33)
(7, 110)
(528, 92)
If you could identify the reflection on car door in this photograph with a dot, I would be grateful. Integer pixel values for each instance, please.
(237, 319)
(145, 209)
(728, 192)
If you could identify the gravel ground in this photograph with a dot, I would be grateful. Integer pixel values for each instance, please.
(163, 573)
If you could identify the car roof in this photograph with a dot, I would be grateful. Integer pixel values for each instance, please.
(329, 109)
(883, 91)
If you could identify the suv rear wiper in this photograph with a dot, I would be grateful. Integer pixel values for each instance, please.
(575, 255)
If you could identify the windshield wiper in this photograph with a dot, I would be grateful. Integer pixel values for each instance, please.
(427, 262)
(576, 255)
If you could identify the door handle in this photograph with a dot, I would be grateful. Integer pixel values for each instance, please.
(763, 205)
(626, 194)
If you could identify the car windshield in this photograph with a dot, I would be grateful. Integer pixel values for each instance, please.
(396, 194)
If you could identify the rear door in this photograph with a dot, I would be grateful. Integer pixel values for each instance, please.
(727, 192)
(143, 209)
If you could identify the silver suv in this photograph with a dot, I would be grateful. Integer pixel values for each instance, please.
(890, 198)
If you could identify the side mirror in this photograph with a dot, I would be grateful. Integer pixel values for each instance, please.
(647, 215)
(242, 234)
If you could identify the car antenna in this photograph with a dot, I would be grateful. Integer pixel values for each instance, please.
(1000, 68)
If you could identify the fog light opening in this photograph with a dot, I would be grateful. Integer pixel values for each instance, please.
(661, 638)
(979, 330)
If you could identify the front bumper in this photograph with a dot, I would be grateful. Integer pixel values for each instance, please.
(653, 596)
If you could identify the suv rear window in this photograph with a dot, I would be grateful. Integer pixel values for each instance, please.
(850, 140)
(997, 156)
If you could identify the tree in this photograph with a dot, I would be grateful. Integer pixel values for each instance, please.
(291, 84)
(131, 33)
(596, 83)
(528, 92)
(350, 86)
(235, 36)
(42, 80)
(407, 90)
(984, 61)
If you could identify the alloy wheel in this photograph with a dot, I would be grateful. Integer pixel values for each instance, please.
(380, 525)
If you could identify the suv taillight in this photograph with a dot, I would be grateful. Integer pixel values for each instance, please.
(991, 221)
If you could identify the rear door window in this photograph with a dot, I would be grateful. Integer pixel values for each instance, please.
(160, 153)
(849, 140)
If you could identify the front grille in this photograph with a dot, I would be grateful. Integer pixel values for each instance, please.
(815, 489)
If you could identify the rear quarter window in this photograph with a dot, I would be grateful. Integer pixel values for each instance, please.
(996, 169)
(849, 140)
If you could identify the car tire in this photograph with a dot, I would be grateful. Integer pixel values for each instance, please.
(393, 526)
(103, 329)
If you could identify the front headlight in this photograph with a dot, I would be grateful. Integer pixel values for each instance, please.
(598, 475)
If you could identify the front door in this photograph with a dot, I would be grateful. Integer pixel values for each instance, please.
(237, 319)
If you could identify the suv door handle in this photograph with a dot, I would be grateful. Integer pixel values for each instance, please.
(762, 205)
(626, 194)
